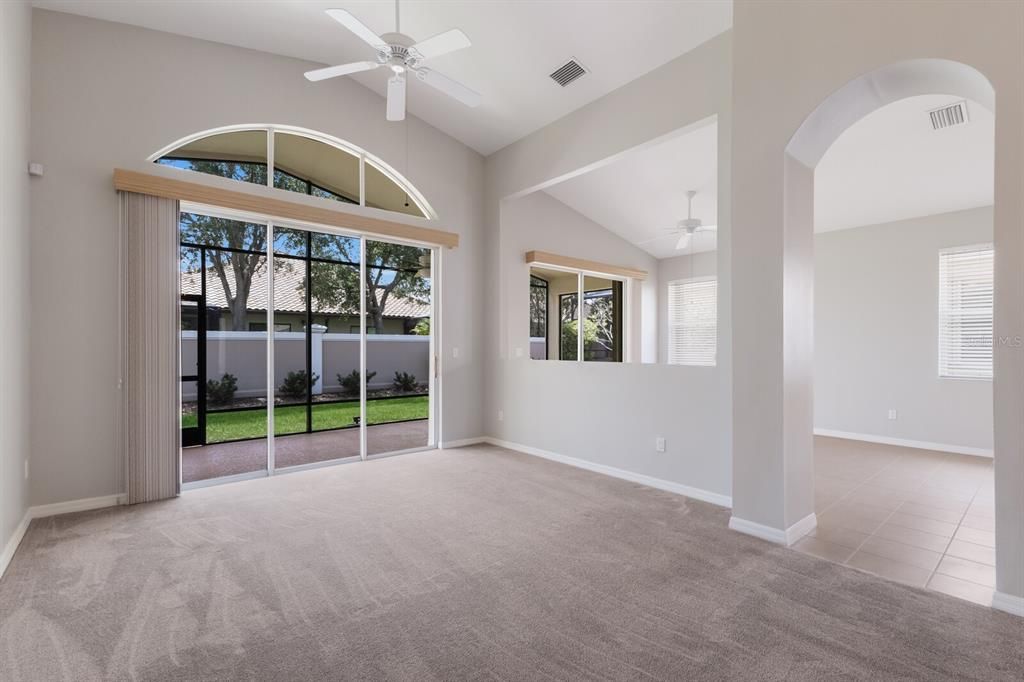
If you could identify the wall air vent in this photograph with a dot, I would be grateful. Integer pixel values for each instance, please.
(568, 72)
(947, 117)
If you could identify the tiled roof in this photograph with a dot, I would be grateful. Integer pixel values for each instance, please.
(289, 294)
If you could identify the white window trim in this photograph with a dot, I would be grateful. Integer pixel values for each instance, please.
(671, 326)
(944, 371)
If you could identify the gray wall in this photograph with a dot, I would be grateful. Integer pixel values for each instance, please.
(133, 91)
(876, 333)
(15, 34)
(609, 413)
(789, 57)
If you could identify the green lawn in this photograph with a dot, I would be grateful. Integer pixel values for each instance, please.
(222, 426)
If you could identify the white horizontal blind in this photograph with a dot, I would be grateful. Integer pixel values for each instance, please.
(965, 312)
(692, 321)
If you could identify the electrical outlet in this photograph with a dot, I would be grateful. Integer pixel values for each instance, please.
(519, 352)
(26, 468)
(892, 414)
(501, 415)
(455, 352)
(659, 444)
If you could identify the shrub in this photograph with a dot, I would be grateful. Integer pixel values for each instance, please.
(222, 391)
(404, 382)
(295, 384)
(350, 382)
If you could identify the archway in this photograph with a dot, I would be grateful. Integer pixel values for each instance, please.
(835, 115)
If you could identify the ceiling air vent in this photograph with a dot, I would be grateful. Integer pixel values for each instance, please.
(947, 117)
(568, 72)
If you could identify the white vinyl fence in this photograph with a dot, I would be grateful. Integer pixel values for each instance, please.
(244, 354)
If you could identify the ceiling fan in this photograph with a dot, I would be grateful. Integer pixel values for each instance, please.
(686, 227)
(403, 56)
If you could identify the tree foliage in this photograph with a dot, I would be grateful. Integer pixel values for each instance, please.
(392, 270)
(231, 270)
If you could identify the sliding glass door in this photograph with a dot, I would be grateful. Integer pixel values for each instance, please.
(223, 265)
(397, 289)
(316, 351)
(342, 357)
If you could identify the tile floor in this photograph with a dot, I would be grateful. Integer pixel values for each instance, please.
(916, 516)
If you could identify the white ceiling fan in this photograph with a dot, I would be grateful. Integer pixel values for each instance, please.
(402, 55)
(686, 227)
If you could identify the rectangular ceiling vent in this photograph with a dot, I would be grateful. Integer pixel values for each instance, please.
(567, 73)
(947, 117)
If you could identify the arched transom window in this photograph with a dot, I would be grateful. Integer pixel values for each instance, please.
(296, 160)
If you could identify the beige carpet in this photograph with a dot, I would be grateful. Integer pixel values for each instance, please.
(463, 564)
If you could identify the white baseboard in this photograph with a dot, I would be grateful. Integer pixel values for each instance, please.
(447, 445)
(45, 510)
(1009, 603)
(801, 528)
(12, 545)
(776, 535)
(904, 442)
(642, 479)
(70, 506)
(787, 537)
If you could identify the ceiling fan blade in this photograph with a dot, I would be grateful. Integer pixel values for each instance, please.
(684, 241)
(340, 70)
(347, 20)
(708, 228)
(449, 87)
(396, 98)
(442, 43)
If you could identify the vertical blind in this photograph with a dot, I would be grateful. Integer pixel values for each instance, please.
(965, 312)
(150, 367)
(692, 321)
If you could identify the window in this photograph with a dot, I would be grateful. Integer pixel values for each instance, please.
(538, 307)
(556, 316)
(567, 323)
(296, 160)
(965, 312)
(692, 321)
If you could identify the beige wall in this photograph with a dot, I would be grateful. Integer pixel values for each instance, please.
(108, 95)
(15, 388)
(789, 57)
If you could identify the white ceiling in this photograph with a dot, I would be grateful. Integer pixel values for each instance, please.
(891, 165)
(515, 46)
(642, 196)
(888, 166)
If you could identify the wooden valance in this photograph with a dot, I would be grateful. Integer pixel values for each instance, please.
(183, 190)
(545, 258)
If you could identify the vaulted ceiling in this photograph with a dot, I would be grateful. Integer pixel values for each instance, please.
(515, 46)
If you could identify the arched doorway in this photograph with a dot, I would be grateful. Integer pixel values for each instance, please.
(902, 301)
(805, 150)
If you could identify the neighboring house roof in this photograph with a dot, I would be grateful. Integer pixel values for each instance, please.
(289, 294)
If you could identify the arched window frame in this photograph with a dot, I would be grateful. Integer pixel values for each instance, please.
(364, 157)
